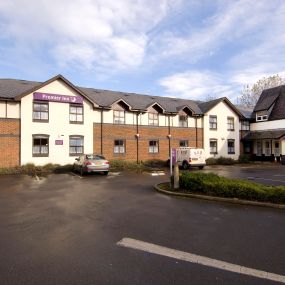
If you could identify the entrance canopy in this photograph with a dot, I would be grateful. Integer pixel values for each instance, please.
(269, 134)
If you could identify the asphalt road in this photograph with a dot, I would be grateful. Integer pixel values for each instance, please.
(64, 229)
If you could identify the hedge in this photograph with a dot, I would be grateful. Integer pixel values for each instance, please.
(214, 185)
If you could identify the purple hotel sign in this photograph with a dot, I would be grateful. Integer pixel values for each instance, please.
(58, 98)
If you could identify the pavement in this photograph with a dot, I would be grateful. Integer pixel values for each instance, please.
(64, 229)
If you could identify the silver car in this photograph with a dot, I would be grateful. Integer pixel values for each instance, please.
(87, 163)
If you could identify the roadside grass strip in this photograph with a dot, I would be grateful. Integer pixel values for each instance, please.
(201, 260)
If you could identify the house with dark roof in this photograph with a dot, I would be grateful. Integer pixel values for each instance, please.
(55, 121)
(266, 139)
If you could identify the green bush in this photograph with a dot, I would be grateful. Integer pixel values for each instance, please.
(214, 185)
(244, 158)
(220, 160)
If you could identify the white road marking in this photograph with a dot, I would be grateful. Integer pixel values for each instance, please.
(260, 178)
(201, 260)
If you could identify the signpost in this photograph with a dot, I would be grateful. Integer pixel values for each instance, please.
(172, 159)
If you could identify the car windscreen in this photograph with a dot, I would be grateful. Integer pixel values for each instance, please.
(94, 157)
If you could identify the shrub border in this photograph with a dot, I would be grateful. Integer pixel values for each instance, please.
(219, 199)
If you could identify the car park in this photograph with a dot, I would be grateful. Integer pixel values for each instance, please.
(88, 163)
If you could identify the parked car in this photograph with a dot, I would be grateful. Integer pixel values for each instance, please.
(87, 163)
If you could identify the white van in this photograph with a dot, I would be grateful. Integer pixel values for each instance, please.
(190, 157)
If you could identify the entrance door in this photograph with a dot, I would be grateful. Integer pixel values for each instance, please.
(258, 148)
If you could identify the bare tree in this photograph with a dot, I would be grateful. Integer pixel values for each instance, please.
(250, 94)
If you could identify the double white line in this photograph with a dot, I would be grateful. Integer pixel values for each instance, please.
(185, 256)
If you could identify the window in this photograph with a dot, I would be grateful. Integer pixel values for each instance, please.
(153, 119)
(247, 147)
(267, 148)
(245, 125)
(231, 146)
(231, 124)
(183, 121)
(261, 116)
(153, 146)
(40, 145)
(76, 145)
(119, 117)
(40, 111)
(213, 146)
(213, 122)
(276, 149)
(76, 114)
(119, 147)
(183, 143)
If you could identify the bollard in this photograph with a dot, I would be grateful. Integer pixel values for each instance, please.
(176, 176)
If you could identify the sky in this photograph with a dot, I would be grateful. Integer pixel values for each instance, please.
(186, 49)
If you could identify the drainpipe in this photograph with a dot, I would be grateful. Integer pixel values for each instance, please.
(102, 131)
(137, 137)
(169, 137)
(196, 132)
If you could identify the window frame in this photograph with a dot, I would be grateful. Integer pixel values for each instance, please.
(245, 126)
(76, 114)
(119, 122)
(41, 103)
(231, 124)
(231, 149)
(183, 123)
(153, 147)
(216, 147)
(187, 143)
(120, 146)
(211, 124)
(155, 121)
(76, 146)
(40, 154)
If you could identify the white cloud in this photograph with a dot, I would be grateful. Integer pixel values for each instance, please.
(195, 85)
(90, 33)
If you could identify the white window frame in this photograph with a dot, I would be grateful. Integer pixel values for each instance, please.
(153, 146)
(119, 146)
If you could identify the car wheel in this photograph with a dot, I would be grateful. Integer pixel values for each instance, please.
(201, 167)
(185, 165)
(106, 172)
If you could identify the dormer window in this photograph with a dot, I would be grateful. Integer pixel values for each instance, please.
(183, 121)
(261, 116)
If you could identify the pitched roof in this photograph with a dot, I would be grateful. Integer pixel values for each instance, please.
(269, 97)
(268, 134)
(206, 106)
(14, 89)
(11, 88)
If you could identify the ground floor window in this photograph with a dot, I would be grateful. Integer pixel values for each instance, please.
(183, 143)
(213, 146)
(76, 145)
(119, 147)
(231, 146)
(267, 148)
(40, 145)
(153, 146)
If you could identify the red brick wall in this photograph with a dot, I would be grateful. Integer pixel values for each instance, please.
(127, 132)
(9, 142)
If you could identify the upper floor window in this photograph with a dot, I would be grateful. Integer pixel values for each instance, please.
(261, 116)
(153, 119)
(183, 121)
(245, 126)
(231, 146)
(119, 117)
(76, 145)
(213, 146)
(153, 146)
(231, 124)
(213, 122)
(119, 146)
(183, 143)
(40, 111)
(76, 114)
(40, 145)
